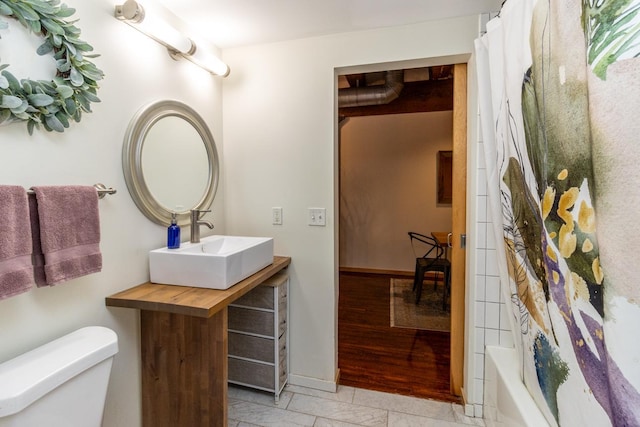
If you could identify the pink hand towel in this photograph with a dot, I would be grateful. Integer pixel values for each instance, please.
(69, 231)
(16, 271)
(37, 257)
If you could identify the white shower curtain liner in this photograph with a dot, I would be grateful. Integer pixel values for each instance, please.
(502, 58)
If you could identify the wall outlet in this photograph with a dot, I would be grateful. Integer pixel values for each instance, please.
(317, 216)
(276, 214)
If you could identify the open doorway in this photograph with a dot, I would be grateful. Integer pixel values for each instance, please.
(389, 186)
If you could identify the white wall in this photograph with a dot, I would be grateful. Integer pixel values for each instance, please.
(388, 186)
(280, 138)
(137, 71)
(279, 150)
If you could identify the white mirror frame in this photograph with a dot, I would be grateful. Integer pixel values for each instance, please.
(132, 148)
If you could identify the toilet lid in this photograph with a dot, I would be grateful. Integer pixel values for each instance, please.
(28, 377)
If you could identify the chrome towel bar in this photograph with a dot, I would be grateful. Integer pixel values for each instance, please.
(101, 188)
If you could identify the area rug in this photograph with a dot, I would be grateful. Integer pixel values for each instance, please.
(428, 315)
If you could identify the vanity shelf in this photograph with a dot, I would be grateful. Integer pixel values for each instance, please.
(258, 336)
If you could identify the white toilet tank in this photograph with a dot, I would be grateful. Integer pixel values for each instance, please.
(60, 384)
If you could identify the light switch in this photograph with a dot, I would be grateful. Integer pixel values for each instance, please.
(317, 216)
(276, 214)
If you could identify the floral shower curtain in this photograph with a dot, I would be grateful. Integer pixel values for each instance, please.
(559, 90)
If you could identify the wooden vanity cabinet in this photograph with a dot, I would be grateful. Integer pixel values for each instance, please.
(184, 346)
(258, 349)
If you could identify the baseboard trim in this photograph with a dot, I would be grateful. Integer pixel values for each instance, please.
(470, 409)
(467, 407)
(400, 273)
(315, 383)
(376, 271)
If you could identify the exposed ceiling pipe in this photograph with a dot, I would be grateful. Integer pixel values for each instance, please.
(373, 95)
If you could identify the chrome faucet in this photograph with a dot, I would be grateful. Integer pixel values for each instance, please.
(196, 222)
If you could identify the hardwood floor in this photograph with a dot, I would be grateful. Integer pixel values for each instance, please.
(373, 355)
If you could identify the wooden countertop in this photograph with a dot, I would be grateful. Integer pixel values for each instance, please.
(185, 300)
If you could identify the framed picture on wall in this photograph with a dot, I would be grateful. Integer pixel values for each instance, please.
(444, 168)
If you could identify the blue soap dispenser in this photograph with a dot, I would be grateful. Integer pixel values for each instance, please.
(173, 233)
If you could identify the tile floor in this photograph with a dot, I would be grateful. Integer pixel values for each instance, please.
(349, 407)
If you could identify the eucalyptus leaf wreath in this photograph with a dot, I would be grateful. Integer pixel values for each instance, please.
(71, 91)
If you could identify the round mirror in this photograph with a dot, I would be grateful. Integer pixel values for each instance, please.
(170, 161)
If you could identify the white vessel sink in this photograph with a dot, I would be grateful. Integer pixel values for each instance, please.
(217, 262)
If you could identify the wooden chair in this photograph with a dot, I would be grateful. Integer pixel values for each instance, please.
(432, 261)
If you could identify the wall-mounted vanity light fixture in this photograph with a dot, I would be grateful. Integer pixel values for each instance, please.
(178, 44)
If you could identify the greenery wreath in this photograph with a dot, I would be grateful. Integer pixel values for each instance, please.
(71, 91)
